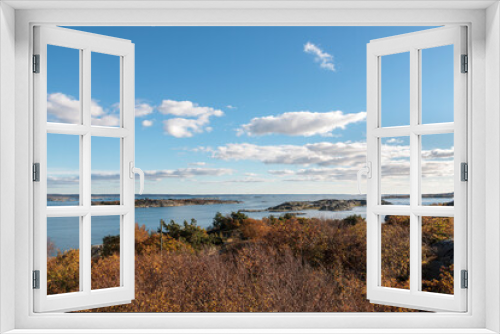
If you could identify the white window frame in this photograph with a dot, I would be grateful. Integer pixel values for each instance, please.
(484, 47)
(413, 44)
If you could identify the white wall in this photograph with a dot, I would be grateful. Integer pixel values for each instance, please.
(7, 160)
(492, 171)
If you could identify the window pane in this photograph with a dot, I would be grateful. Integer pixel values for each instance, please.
(437, 84)
(437, 183)
(105, 108)
(105, 170)
(105, 252)
(395, 170)
(395, 89)
(437, 254)
(63, 85)
(63, 169)
(63, 255)
(395, 249)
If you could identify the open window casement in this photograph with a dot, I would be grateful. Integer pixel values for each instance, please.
(404, 59)
(77, 122)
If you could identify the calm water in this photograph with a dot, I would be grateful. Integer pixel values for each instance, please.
(64, 232)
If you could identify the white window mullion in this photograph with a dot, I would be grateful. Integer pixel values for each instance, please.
(127, 112)
(414, 171)
(373, 156)
(85, 152)
(81, 230)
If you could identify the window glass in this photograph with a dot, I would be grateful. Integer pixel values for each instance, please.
(105, 108)
(395, 170)
(437, 84)
(395, 89)
(105, 252)
(395, 252)
(63, 85)
(437, 254)
(63, 255)
(438, 170)
(63, 170)
(106, 170)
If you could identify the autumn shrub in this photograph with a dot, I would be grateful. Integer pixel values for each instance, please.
(254, 229)
(277, 264)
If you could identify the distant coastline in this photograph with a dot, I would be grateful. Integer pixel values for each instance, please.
(442, 195)
(163, 203)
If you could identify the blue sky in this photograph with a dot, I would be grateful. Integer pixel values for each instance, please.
(245, 109)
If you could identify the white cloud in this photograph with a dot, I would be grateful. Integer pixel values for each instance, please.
(394, 141)
(143, 109)
(147, 123)
(197, 119)
(231, 107)
(62, 108)
(324, 59)
(187, 109)
(184, 128)
(197, 163)
(301, 123)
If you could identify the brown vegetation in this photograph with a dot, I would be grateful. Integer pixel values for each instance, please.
(285, 264)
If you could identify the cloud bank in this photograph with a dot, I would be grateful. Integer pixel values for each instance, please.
(150, 175)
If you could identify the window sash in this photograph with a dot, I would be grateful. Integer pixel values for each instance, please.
(86, 43)
(413, 43)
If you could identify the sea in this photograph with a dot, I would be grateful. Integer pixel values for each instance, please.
(64, 232)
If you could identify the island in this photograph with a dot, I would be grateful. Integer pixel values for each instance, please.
(161, 203)
(320, 205)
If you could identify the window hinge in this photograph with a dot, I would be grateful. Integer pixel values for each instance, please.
(465, 279)
(36, 172)
(36, 279)
(36, 63)
(464, 171)
(465, 64)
